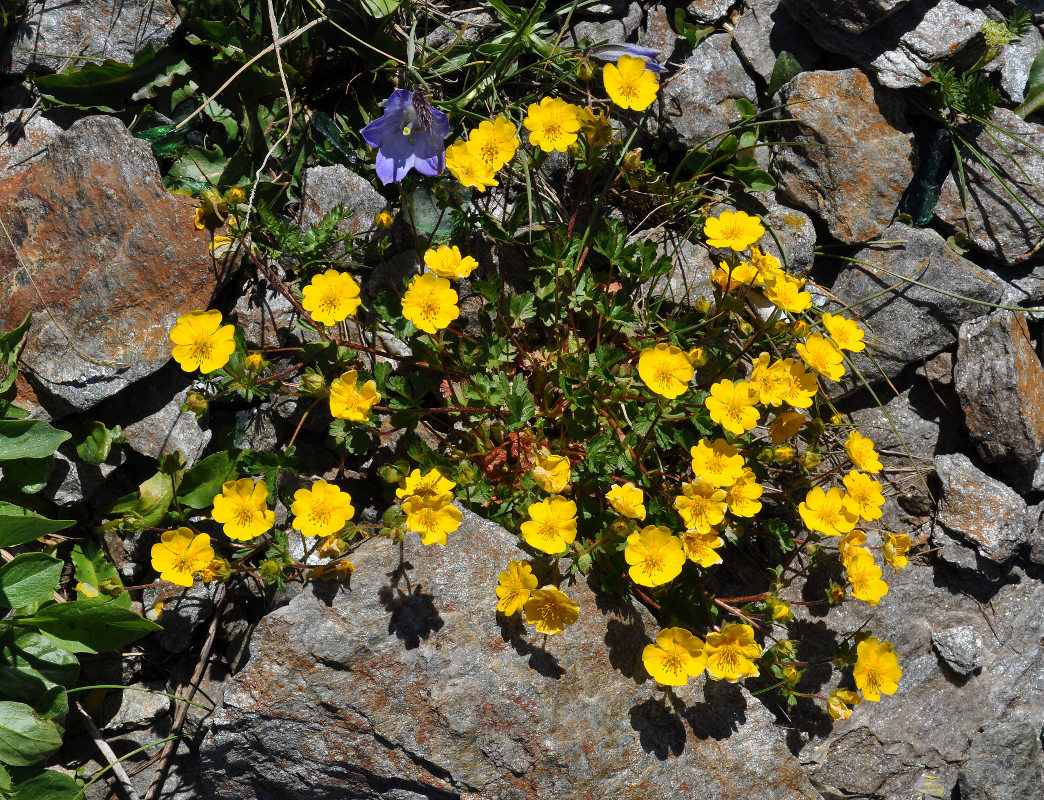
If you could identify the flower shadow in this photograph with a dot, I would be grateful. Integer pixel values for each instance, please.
(542, 662)
(660, 730)
(413, 612)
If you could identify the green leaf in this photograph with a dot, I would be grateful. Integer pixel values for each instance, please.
(202, 483)
(197, 165)
(25, 737)
(11, 344)
(92, 567)
(53, 704)
(1034, 92)
(97, 444)
(91, 625)
(23, 438)
(46, 785)
(380, 8)
(152, 500)
(5, 780)
(29, 578)
(786, 68)
(28, 475)
(19, 525)
(30, 664)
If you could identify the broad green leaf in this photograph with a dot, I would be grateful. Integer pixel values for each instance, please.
(26, 737)
(1034, 92)
(46, 785)
(380, 8)
(91, 625)
(152, 500)
(785, 68)
(5, 780)
(92, 567)
(28, 475)
(53, 705)
(198, 164)
(29, 578)
(97, 444)
(202, 483)
(11, 344)
(27, 438)
(30, 664)
(19, 525)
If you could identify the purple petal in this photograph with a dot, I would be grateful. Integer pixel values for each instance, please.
(440, 125)
(430, 166)
(613, 50)
(381, 130)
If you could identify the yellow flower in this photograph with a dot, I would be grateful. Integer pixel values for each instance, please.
(553, 124)
(731, 653)
(665, 369)
(242, 509)
(430, 484)
(731, 279)
(850, 544)
(772, 381)
(826, 512)
(676, 657)
(447, 262)
(550, 611)
(255, 362)
(430, 303)
(202, 342)
(331, 296)
(865, 577)
(839, 701)
(551, 526)
(895, 548)
(597, 129)
(700, 505)
(629, 84)
(467, 169)
(864, 496)
(493, 143)
(784, 291)
(551, 473)
(861, 452)
(628, 500)
(181, 553)
(321, 510)
(383, 220)
(720, 462)
(822, 356)
(702, 548)
(766, 264)
(735, 230)
(877, 669)
(431, 516)
(803, 385)
(731, 405)
(785, 425)
(742, 496)
(349, 400)
(654, 555)
(846, 333)
(514, 586)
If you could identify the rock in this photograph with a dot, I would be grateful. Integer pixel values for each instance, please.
(471, 26)
(1000, 226)
(611, 30)
(929, 725)
(266, 316)
(901, 50)
(168, 430)
(1014, 64)
(979, 510)
(94, 29)
(959, 648)
(410, 687)
(184, 610)
(699, 101)
(688, 282)
(106, 258)
(73, 479)
(764, 30)
(795, 232)
(708, 11)
(325, 188)
(849, 152)
(1001, 386)
(910, 323)
(1004, 762)
(659, 34)
(854, 16)
(26, 135)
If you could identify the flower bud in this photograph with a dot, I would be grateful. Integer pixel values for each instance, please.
(810, 461)
(585, 70)
(467, 473)
(698, 356)
(270, 570)
(836, 594)
(814, 428)
(255, 362)
(331, 547)
(767, 455)
(784, 454)
(745, 328)
(195, 403)
(383, 220)
(312, 383)
(111, 586)
(633, 160)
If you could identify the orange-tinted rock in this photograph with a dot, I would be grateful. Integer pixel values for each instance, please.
(106, 260)
(849, 154)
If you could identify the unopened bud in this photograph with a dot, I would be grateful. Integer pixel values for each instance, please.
(383, 220)
(195, 403)
(698, 357)
(633, 159)
(313, 383)
(810, 461)
(585, 70)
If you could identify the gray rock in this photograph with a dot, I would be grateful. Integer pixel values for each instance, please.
(406, 685)
(167, 430)
(848, 156)
(912, 322)
(999, 225)
(854, 16)
(266, 316)
(73, 480)
(107, 263)
(688, 282)
(901, 50)
(24, 137)
(470, 26)
(1014, 64)
(98, 29)
(790, 237)
(659, 34)
(699, 101)
(928, 726)
(979, 510)
(184, 610)
(764, 30)
(708, 11)
(325, 188)
(960, 648)
(1000, 382)
(612, 30)
(1005, 762)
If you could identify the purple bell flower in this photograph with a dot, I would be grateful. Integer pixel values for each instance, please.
(613, 50)
(409, 135)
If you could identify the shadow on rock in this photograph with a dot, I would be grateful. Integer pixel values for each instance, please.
(413, 614)
(542, 662)
(660, 730)
(724, 711)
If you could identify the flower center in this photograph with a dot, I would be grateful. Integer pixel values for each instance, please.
(664, 376)
(244, 515)
(672, 662)
(430, 309)
(202, 349)
(552, 129)
(182, 563)
(653, 560)
(330, 301)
